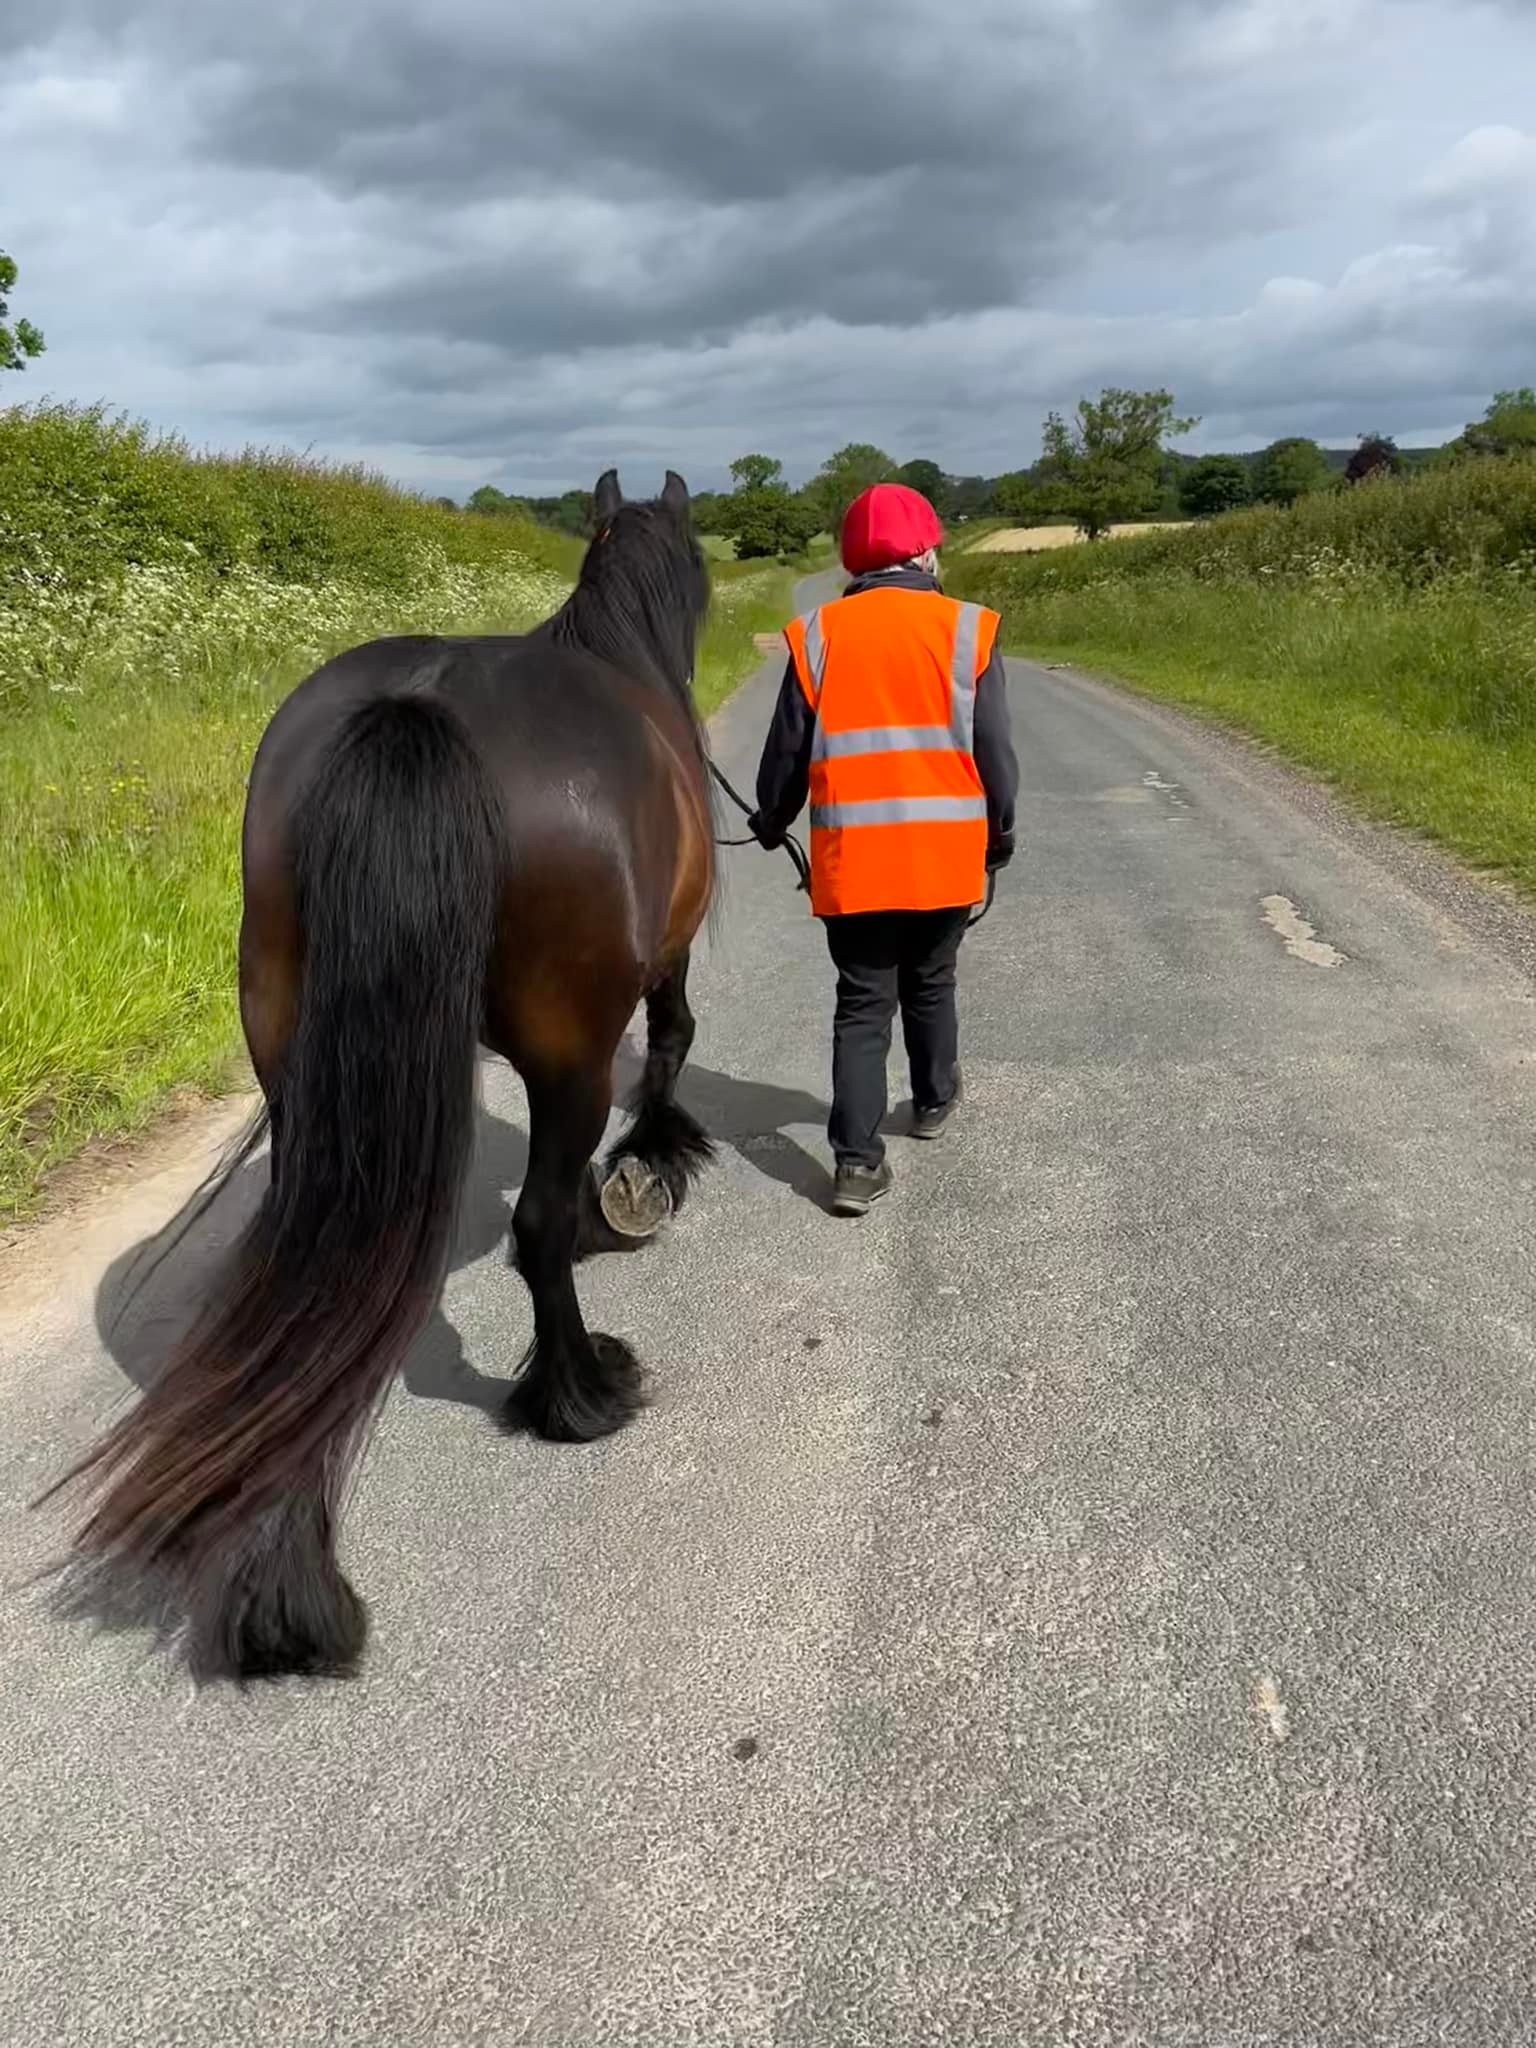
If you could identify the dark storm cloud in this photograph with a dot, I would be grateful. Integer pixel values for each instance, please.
(860, 261)
(775, 164)
(708, 104)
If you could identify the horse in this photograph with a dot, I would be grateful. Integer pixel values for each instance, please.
(499, 842)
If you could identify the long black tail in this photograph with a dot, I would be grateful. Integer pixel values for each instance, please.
(229, 1475)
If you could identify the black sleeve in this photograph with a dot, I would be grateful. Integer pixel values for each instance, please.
(784, 773)
(996, 762)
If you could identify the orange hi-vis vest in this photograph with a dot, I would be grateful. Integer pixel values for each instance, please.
(898, 813)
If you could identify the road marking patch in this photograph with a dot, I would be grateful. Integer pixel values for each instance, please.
(1172, 790)
(1267, 1701)
(1301, 941)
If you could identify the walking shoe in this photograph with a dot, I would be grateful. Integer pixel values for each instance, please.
(857, 1188)
(932, 1123)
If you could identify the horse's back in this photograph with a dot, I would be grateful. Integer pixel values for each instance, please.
(531, 702)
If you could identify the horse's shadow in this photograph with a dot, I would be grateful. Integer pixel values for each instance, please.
(147, 1298)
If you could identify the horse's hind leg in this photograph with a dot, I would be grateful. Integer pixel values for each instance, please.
(664, 1148)
(574, 1385)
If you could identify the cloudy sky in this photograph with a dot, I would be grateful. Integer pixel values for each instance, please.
(482, 240)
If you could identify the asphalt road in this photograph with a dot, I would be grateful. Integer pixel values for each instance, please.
(1089, 1602)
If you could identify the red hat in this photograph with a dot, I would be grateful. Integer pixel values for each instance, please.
(887, 524)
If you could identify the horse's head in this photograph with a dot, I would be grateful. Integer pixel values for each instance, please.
(645, 571)
(660, 528)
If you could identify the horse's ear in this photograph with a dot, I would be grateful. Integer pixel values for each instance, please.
(607, 498)
(674, 495)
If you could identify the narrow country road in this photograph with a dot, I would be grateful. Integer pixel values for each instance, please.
(1092, 1602)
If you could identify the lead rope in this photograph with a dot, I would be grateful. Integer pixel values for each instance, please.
(792, 845)
(972, 922)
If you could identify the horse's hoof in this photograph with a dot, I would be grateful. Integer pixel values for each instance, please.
(635, 1201)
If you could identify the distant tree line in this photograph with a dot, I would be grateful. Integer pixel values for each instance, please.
(762, 513)
(570, 512)
(1105, 464)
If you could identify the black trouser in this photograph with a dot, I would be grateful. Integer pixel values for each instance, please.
(886, 959)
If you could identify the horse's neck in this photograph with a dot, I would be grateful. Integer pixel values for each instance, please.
(618, 637)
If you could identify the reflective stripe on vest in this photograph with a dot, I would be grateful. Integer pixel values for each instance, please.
(815, 651)
(898, 810)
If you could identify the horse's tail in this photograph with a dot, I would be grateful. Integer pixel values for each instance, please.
(229, 1474)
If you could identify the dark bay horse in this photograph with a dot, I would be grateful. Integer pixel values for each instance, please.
(448, 843)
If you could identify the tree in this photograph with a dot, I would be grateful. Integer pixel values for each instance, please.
(841, 478)
(1034, 497)
(707, 508)
(1508, 427)
(1106, 465)
(573, 514)
(496, 504)
(756, 472)
(763, 515)
(21, 343)
(1288, 469)
(929, 479)
(1377, 455)
(1216, 483)
(1017, 495)
(1170, 470)
(773, 520)
(970, 497)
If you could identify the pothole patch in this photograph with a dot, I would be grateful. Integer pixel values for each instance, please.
(1300, 939)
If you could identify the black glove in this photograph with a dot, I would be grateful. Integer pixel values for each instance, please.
(765, 834)
(999, 853)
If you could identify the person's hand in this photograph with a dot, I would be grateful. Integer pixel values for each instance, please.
(999, 853)
(764, 834)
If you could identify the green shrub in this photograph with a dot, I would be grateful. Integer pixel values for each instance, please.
(86, 495)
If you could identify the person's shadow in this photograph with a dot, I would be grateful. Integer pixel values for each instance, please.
(147, 1298)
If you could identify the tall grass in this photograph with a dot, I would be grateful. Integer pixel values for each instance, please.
(138, 667)
(1383, 637)
(748, 598)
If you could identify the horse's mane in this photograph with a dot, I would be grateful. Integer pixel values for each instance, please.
(641, 598)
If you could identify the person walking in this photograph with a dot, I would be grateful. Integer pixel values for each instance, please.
(893, 721)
